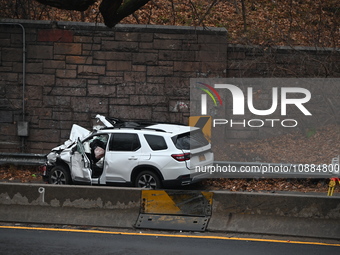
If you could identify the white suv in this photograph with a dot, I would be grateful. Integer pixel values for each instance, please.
(137, 154)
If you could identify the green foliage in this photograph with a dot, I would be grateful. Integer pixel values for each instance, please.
(310, 132)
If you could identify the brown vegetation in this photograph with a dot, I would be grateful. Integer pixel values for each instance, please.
(267, 22)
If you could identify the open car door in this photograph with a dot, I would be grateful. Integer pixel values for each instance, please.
(81, 171)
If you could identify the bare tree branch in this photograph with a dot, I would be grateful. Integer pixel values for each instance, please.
(244, 15)
(207, 12)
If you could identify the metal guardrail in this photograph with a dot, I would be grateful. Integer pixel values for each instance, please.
(220, 169)
(24, 159)
(224, 169)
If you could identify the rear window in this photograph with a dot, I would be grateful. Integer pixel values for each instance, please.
(156, 142)
(190, 140)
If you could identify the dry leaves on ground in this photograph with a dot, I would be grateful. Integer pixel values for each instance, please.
(268, 185)
(20, 174)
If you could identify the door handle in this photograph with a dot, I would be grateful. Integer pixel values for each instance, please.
(132, 158)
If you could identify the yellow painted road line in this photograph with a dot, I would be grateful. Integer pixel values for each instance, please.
(169, 235)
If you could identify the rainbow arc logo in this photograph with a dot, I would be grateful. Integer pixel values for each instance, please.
(211, 91)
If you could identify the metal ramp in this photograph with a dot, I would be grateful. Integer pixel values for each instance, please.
(175, 210)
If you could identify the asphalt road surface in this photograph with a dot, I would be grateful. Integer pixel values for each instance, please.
(23, 240)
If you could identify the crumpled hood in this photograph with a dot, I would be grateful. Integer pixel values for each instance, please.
(76, 132)
(80, 132)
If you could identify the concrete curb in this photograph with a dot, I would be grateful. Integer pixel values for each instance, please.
(278, 214)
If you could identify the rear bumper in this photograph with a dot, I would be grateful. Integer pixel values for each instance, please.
(182, 180)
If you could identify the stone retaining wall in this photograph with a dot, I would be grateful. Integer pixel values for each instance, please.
(77, 70)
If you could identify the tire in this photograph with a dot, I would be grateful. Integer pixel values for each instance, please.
(148, 179)
(59, 175)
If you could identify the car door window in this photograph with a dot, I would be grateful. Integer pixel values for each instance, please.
(124, 142)
(156, 142)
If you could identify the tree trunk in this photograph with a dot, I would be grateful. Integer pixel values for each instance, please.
(125, 9)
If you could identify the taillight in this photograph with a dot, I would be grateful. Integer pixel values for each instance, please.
(181, 157)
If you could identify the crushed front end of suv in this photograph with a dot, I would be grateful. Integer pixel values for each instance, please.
(130, 153)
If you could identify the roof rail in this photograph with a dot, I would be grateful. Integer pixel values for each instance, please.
(134, 128)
